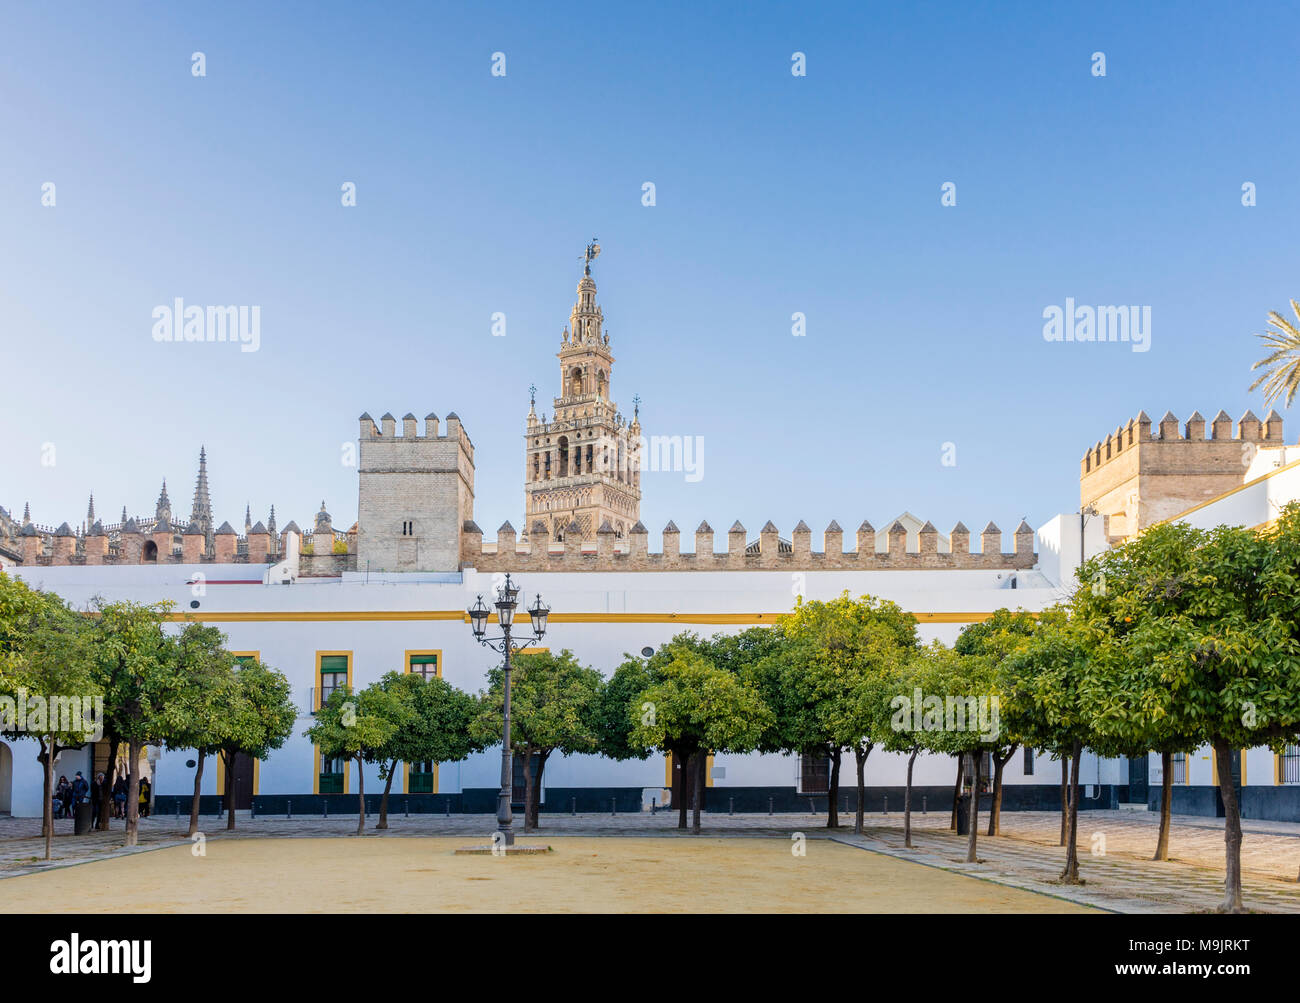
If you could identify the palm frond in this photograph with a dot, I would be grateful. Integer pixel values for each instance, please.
(1282, 365)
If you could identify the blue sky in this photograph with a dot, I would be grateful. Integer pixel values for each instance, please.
(775, 194)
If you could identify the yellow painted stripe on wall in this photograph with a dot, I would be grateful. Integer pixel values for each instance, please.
(316, 616)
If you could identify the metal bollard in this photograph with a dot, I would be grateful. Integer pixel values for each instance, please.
(923, 804)
(884, 800)
(731, 806)
(448, 807)
(218, 807)
(652, 806)
(613, 806)
(770, 802)
(178, 807)
(252, 809)
(288, 809)
(573, 807)
(324, 809)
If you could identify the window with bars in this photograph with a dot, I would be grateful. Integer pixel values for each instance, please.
(423, 664)
(1180, 767)
(1289, 765)
(420, 778)
(333, 674)
(814, 774)
(517, 786)
(332, 772)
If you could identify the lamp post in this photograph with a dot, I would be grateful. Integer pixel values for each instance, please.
(506, 603)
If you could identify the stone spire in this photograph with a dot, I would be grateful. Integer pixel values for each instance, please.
(163, 508)
(201, 512)
(582, 464)
(270, 522)
(123, 515)
(27, 513)
(90, 511)
(248, 519)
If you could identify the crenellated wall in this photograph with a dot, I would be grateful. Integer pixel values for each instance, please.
(605, 553)
(1145, 472)
(415, 491)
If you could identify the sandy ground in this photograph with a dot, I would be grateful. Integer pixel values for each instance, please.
(583, 875)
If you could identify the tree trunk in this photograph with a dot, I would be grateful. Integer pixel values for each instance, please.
(47, 816)
(956, 792)
(860, 753)
(680, 764)
(907, 800)
(194, 803)
(133, 794)
(995, 810)
(1166, 804)
(528, 789)
(1065, 800)
(361, 798)
(537, 787)
(972, 840)
(383, 801)
(1070, 875)
(107, 804)
(701, 768)
(1231, 829)
(229, 759)
(833, 795)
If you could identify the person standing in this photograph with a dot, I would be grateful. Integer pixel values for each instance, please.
(79, 789)
(119, 798)
(145, 787)
(96, 799)
(63, 798)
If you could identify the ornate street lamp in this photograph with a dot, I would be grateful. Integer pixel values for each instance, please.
(506, 603)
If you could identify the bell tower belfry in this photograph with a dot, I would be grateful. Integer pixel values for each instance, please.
(582, 466)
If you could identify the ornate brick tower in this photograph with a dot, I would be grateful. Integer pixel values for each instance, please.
(582, 467)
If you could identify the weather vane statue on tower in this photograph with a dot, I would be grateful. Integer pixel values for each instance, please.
(593, 252)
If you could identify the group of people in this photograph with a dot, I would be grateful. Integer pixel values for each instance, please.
(67, 795)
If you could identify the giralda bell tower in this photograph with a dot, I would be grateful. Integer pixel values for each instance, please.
(582, 471)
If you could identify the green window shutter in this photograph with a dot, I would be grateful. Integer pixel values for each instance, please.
(424, 659)
(334, 663)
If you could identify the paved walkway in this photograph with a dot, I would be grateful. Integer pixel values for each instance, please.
(1120, 875)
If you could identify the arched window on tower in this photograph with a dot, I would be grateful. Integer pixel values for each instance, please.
(150, 552)
(575, 382)
(564, 456)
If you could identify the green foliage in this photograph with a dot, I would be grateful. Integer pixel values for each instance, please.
(695, 705)
(554, 705)
(431, 721)
(616, 712)
(46, 658)
(207, 689)
(261, 714)
(826, 672)
(1198, 633)
(136, 667)
(356, 726)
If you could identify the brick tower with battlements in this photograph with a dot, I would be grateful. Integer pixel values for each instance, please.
(1146, 472)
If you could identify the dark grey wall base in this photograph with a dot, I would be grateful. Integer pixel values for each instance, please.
(627, 801)
(1274, 804)
(318, 805)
